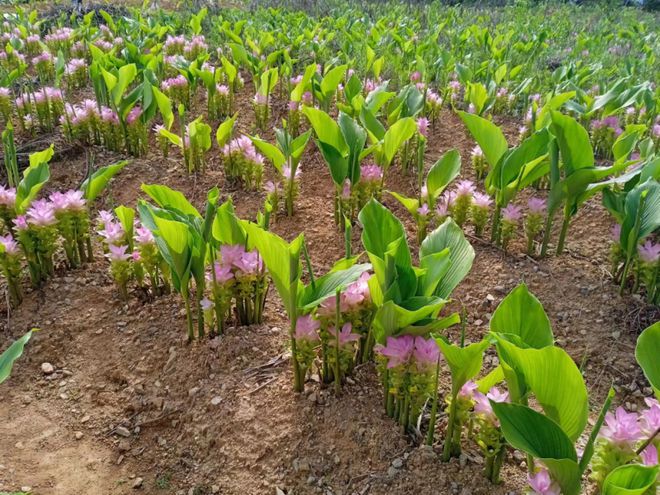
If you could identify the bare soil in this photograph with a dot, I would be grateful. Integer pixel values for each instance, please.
(133, 408)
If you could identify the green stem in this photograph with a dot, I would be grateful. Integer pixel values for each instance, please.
(337, 331)
(449, 438)
(546, 233)
(564, 230)
(191, 334)
(298, 383)
(495, 228)
(434, 406)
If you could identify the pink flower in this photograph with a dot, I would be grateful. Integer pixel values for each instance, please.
(415, 76)
(346, 335)
(7, 196)
(536, 206)
(118, 253)
(511, 213)
(136, 256)
(650, 419)
(231, 254)
(542, 484)
(398, 350)
(481, 200)
(286, 172)
(41, 214)
(307, 328)
(105, 217)
(356, 293)
(294, 106)
(423, 126)
(133, 115)
(426, 353)
(75, 200)
(621, 427)
(371, 173)
(649, 252)
(650, 455)
(476, 151)
(260, 99)
(465, 188)
(482, 405)
(249, 263)
(9, 244)
(223, 273)
(468, 389)
(423, 210)
(143, 236)
(113, 233)
(206, 304)
(20, 222)
(270, 187)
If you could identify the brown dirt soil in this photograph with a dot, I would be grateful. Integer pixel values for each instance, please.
(130, 400)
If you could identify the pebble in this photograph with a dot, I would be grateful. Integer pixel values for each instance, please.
(47, 368)
(124, 446)
(193, 391)
(392, 471)
(26, 489)
(397, 463)
(79, 435)
(122, 431)
(216, 400)
(137, 483)
(84, 419)
(215, 489)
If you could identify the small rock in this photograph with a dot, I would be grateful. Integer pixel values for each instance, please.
(26, 489)
(216, 400)
(84, 419)
(137, 483)
(215, 489)
(122, 431)
(392, 471)
(47, 368)
(312, 397)
(397, 463)
(124, 446)
(193, 391)
(79, 435)
(462, 460)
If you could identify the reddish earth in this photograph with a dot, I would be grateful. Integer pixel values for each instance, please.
(130, 400)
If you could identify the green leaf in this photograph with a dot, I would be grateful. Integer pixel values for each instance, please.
(34, 179)
(166, 197)
(490, 138)
(164, 106)
(11, 354)
(283, 262)
(400, 132)
(227, 228)
(461, 254)
(93, 186)
(647, 353)
(445, 170)
(464, 362)
(631, 479)
(327, 285)
(555, 381)
(326, 129)
(522, 315)
(223, 134)
(574, 143)
(39, 157)
(271, 152)
(539, 436)
(332, 79)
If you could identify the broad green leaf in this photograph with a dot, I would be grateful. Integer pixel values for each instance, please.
(521, 314)
(574, 143)
(543, 439)
(34, 179)
(554, 379)
(283, 262)
(326, 285)
(461, 254)
(224, 132)
(630, 479)
(166, 197)
(488, 136)
(647, 353)
(445, 170)
(227, 228)
(332, 79)
(39, 157)
(400, 132)
(93, 186)
(326, 129)
(11, 354)
(464, 362)
(271, 152)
